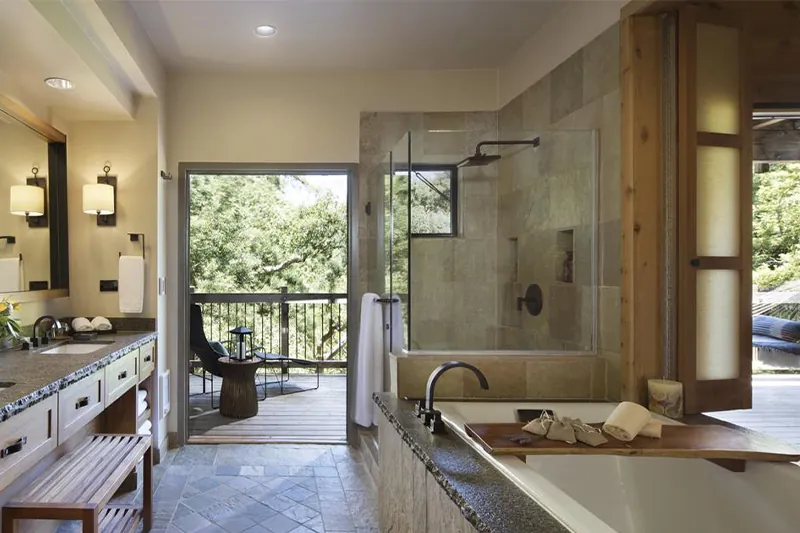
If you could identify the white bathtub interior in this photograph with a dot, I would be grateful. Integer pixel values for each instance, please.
(603, 494)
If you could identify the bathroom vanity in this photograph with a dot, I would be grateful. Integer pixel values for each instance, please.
(50, 402)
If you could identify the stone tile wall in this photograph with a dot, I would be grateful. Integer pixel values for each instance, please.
(580, 94)
(547, 376)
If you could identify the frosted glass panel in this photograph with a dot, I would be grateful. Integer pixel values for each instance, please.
(718, 201)
(718, 350)
(718, 79)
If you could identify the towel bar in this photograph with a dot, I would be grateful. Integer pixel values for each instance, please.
(10, 239)
(135, 238)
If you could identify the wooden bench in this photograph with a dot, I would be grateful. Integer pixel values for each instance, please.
(80, 484)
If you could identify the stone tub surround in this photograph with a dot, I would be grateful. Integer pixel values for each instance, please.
(37, 376)
(487, 499)
(535, 375)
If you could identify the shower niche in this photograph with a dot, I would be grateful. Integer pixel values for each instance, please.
(564, 257)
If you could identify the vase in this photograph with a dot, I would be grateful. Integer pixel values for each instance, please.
(6, 343)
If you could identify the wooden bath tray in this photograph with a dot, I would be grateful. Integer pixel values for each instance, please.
(695, 441)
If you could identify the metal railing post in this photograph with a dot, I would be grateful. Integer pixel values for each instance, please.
(284, 322)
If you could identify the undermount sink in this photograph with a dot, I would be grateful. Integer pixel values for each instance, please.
(77, 348)
(6, 385)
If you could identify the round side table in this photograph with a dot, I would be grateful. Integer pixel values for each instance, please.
(238, 398)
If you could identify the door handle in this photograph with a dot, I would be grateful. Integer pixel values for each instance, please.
(14, 448)
(82, 402)
(122, 375)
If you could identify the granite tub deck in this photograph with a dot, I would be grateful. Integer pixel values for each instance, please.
(487, 499)
(36, 376)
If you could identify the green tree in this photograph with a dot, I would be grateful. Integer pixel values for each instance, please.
(776, 225)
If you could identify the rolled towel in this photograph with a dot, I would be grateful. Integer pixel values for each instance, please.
(626, 421)
(101, 323)
(652, 429)
(81, 324)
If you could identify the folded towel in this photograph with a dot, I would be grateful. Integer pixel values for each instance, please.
(145, 428)
(81, 324)
(101, 323)
(131, 284)
(11, 278)
(141, 407)
(141, 394)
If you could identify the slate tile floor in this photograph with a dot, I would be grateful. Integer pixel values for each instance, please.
(268, 488)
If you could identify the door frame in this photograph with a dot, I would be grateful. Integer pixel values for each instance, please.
(184, 169)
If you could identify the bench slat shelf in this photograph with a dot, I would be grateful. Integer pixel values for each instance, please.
(80, 484)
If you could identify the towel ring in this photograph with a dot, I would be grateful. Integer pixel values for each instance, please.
(10, 239)
(135, 238)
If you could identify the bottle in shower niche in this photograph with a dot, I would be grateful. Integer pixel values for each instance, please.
(567, 268)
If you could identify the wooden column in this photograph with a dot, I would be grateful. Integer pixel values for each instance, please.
(642, 205)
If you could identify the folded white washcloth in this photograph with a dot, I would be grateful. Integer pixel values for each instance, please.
(141, 408)
(101, 323)
(81, 324)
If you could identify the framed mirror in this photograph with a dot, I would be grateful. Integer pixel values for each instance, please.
(34, 259)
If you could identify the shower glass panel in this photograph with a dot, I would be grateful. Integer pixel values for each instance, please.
(397, 237)
(529, 218)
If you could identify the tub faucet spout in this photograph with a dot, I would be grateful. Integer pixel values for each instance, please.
(432, 417)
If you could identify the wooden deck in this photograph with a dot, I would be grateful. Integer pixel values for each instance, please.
(313, 416)
(776, 408)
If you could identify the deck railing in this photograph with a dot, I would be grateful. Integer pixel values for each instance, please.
(309, 326)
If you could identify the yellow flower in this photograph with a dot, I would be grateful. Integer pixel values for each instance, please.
(3, 307)
(15, 306)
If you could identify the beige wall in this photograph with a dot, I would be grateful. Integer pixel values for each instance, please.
(20, 150)
(131, 148)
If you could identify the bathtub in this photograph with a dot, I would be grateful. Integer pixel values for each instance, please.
(606, 494)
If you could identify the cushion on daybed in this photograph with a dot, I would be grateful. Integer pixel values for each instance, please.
(777, 328)
(771, 343)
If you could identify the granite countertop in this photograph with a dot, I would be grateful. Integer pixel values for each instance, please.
(490, 501)
(36, 376)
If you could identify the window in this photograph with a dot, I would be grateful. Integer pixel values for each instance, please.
(434, 190)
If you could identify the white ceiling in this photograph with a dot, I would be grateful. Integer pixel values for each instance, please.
(217, 35)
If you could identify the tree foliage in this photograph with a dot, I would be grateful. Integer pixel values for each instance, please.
(247, 235)
(776, 225)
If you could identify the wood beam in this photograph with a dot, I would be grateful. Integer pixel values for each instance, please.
(642, 206)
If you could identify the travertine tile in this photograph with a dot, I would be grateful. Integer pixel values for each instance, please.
(601, 71)
(613, 376)
(506, 379)
(510, 119)
(611, 253)
(610, 319)
(560, 379)
(599, 381)
(610, 158)
(565, 316)
(566, 87)
(536, 105)
(444, 121)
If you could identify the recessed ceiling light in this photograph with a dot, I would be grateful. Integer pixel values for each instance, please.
(266, 31)
(59, 83)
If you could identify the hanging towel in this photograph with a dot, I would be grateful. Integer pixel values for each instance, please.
(81, 324)
(11, 279)
(101, 323)
(394, 325)
(131, 284)
(369, 364)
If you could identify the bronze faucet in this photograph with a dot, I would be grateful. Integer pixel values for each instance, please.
(431, 417)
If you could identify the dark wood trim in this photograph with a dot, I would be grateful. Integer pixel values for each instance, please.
(718, 263)
(24, 115)
(59, 215)
(723, 140)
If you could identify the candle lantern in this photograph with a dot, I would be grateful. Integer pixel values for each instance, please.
(240, 337)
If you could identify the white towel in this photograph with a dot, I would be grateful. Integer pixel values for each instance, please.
(369, 363)
(142, 395)
(101, 323)
(11, 277)
(141, 407)
(81, 324)
(131, 284)
(394, 324)
(145, 428)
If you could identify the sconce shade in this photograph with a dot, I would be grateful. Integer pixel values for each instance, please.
(27, 200)
(98, 199)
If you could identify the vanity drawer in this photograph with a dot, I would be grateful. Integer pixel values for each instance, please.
(121, 376)
(147, 359)
(26, 438)
(79, 403)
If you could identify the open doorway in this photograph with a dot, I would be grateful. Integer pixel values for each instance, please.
(776, 278)
(268, 265)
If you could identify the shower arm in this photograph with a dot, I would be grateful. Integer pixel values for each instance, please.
(532, 142)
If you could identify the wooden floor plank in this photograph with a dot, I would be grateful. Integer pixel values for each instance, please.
(311, 416)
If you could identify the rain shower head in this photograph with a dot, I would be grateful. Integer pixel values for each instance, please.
(479, 159)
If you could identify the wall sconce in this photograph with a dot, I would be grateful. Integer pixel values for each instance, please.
(29, 200)
(101, 199)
